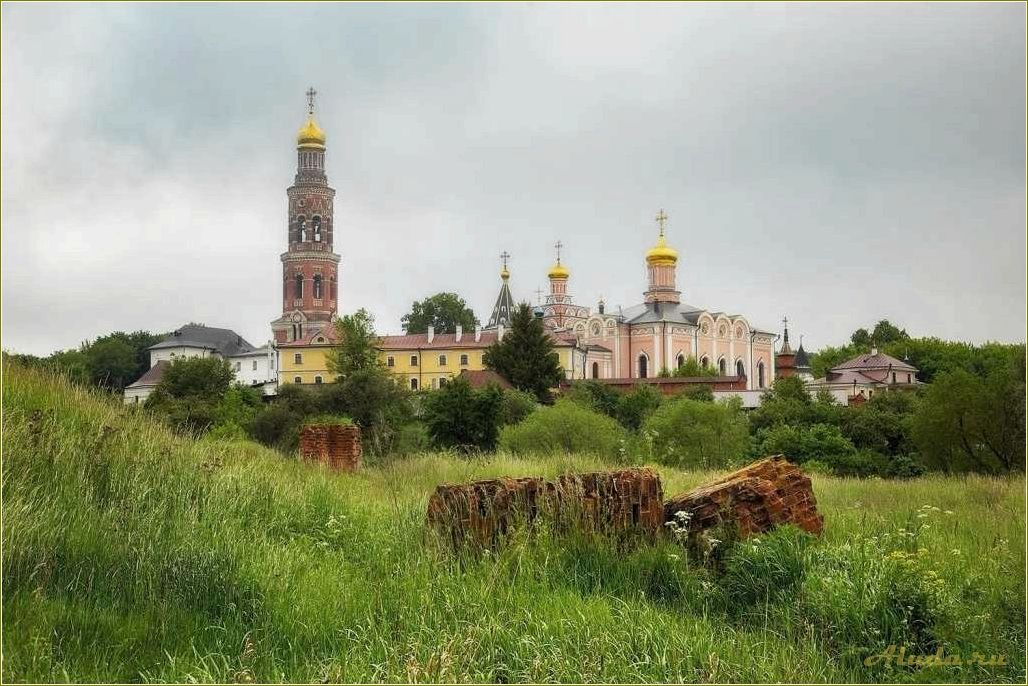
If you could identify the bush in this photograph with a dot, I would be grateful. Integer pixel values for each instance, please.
(272, 426)
(701, 392)
(692, 433)
(458, 416)
(637, 405)
(820, 442)
(595, 395)
(515, 406)
(564, 427)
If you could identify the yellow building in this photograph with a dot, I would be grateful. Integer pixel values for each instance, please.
(305, 361)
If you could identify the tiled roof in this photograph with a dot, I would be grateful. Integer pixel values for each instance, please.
(877, 360)
(484, 377)
(226, 341)
(503, 310)
(152, 376)
(440, 341)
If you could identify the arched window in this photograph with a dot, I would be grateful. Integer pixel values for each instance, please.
(596, 370)
(298, 286)
(722, 367)
(704, 361)
(301, 227)
(740, 369)
(643, 364)
(317, 286)
(680, 360)
(760, 374)
(414, 384)
(316, 229)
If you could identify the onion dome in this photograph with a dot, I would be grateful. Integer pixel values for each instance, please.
(310, 135)
(504, 273)
(558, 271)
(662, 253)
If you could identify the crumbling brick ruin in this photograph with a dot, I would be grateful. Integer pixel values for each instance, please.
(757, 497)
(622, 501)
(334, 445)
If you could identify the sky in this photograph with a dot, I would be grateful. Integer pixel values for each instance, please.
(836, 163)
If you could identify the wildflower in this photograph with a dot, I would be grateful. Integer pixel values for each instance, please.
(949, 512)
(955, 551)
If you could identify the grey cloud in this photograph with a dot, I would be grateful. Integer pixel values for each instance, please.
(835, 162)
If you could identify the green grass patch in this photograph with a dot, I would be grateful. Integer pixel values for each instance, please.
(131, 554)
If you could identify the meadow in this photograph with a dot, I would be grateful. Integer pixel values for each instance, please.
(133, 554)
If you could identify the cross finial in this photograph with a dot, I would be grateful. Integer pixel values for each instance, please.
(539, 295)
(310, 100)
(504, 256)
(661, 220)
(558, 245)
(785, 322)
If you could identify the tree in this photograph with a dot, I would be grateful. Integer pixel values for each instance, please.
(443, 311)
(637, 405)
(458, 416)
(886, 332)
(692, 433)
(113, 362)
(197, 378)
(357, 349)
(376, 401)
(693, 368)
(525, 357)
(564, 427)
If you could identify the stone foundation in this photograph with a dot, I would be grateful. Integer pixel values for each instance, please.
(334, 445)
(757, 497)
(610, 502)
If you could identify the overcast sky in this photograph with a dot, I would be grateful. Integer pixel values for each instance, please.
(835, 163)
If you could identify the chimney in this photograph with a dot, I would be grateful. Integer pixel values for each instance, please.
(460, 332)
(499, 332)
(478, 333)
(431, 333)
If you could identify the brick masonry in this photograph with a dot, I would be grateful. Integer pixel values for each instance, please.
(334, 445)
(612, 502)
(758, 497)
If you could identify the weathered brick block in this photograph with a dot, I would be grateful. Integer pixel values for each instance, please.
(611, 502)
(758, 497)
(334, 445)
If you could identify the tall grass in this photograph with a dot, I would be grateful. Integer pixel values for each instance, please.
(131, 554)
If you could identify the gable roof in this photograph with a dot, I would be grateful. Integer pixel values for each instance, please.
(152, 376)
(224, 341)
(484, 377)
(440, 341)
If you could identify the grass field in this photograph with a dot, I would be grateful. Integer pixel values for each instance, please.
(130, 554)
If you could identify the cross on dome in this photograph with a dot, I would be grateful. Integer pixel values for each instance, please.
(311, 93)
(661, 220)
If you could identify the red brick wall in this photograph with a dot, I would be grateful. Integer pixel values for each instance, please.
(338, 447)
(675, 385)
(758, 497)
(612, 502)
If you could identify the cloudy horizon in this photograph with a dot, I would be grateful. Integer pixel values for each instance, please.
(837, 163)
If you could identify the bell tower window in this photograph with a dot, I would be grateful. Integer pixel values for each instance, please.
(298, 286)
(316, 228)
(301, 228)
(317, 286)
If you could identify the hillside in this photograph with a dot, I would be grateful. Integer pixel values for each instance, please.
(131, 554)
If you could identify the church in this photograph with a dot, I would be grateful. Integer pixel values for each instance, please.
(661, 332)
(641, 341)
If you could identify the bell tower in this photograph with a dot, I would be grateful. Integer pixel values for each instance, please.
(310, 264)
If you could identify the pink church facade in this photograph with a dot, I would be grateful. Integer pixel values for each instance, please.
(660, 333)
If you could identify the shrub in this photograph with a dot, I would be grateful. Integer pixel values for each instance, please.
(692, 433)
(563, 427)
(458, 416)
(701, 392)
(819, 442)
(596, 396)
(515, 406)
(637, 405)
(331, 419)
(273, 423)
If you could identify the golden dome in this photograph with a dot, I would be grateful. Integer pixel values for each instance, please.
(310, 135)
(662, 253)
(558, 271)
(504, 273)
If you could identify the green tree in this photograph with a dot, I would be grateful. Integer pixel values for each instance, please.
(525, 357)
(443, 311)
(458, 416)
(516, 406)
(357, 347)
(635, 406)
(886, 332)
(696, 434)
(564, 427)
(965, 423)
(595, 395)
(377, 402)
(197, 378)
(113, 362)
(692, 367)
